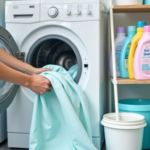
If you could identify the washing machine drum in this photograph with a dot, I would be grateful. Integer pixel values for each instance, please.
(56, 52)
(5, 87)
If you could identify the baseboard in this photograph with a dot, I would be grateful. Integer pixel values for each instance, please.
(16, 140)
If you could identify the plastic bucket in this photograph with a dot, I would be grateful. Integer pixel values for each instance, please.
(128, 2)
(142, 107)
(146, 2)
(125, 134)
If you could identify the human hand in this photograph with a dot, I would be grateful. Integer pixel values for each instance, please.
(37, 71)
(39, 84)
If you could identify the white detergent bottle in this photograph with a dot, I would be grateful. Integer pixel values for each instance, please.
(121, 36)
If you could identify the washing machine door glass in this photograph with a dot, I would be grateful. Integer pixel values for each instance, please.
(7, 90)
(5, 87)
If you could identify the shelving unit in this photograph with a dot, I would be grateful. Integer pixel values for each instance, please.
(131, 9)
(119, 81)
(130, 81)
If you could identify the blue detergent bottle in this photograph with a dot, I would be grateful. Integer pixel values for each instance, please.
(125, 52)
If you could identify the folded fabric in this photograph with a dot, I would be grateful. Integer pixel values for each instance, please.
(60, 119)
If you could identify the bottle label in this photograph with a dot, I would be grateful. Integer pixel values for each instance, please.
(118, 52)
(126, 55)
(145, 60)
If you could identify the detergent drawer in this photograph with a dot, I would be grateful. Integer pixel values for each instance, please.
(22, 12)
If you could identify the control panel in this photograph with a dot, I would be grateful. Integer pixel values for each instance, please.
(71, 12)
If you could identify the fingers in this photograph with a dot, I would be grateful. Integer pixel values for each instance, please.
(41, 93)
(48, 91)
(49, 84)
(50, 87)
(47, 81)
(41, 85)
(46, 69)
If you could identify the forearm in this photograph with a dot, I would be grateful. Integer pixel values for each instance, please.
(14, 63)
(13, 76)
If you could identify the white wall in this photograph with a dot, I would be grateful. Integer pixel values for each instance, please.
(130, 19)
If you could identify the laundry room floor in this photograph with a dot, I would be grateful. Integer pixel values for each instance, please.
(3, 146)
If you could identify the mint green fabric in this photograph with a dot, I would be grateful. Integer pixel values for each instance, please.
(73, 71)
(60, 119)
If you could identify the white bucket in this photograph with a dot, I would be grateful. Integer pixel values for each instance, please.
(126, 134)
(127, 2)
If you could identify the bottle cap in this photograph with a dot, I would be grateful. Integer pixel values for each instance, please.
(131, 28)
(141, 24)
(146, 28)
(121, 30)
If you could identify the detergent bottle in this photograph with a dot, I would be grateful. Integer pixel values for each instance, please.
(121, 36)
(125, 52)
(133, 47)
(142, 56)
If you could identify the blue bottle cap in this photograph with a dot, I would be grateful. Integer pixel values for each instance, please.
(141, 24)
(131, 28)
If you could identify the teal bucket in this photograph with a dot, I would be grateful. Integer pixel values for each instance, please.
(146, 2)
(142, 107)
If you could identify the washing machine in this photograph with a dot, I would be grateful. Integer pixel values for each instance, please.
(61, 32)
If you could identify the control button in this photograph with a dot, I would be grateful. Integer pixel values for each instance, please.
(68, 12)
(88, 12)
(78, 12)
(53, 12)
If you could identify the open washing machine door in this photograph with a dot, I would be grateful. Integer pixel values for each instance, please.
(7, 90)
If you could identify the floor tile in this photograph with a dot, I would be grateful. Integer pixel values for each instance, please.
(3, 146)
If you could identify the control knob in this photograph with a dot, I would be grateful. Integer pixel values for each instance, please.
(88, 12)
(53, 12)
(68, 12)
(78, 12)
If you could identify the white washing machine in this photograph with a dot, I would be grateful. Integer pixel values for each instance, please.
(62, 32)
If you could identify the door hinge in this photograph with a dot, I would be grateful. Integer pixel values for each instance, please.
(21, 56)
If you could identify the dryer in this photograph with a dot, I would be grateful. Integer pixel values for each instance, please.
(58, 32)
